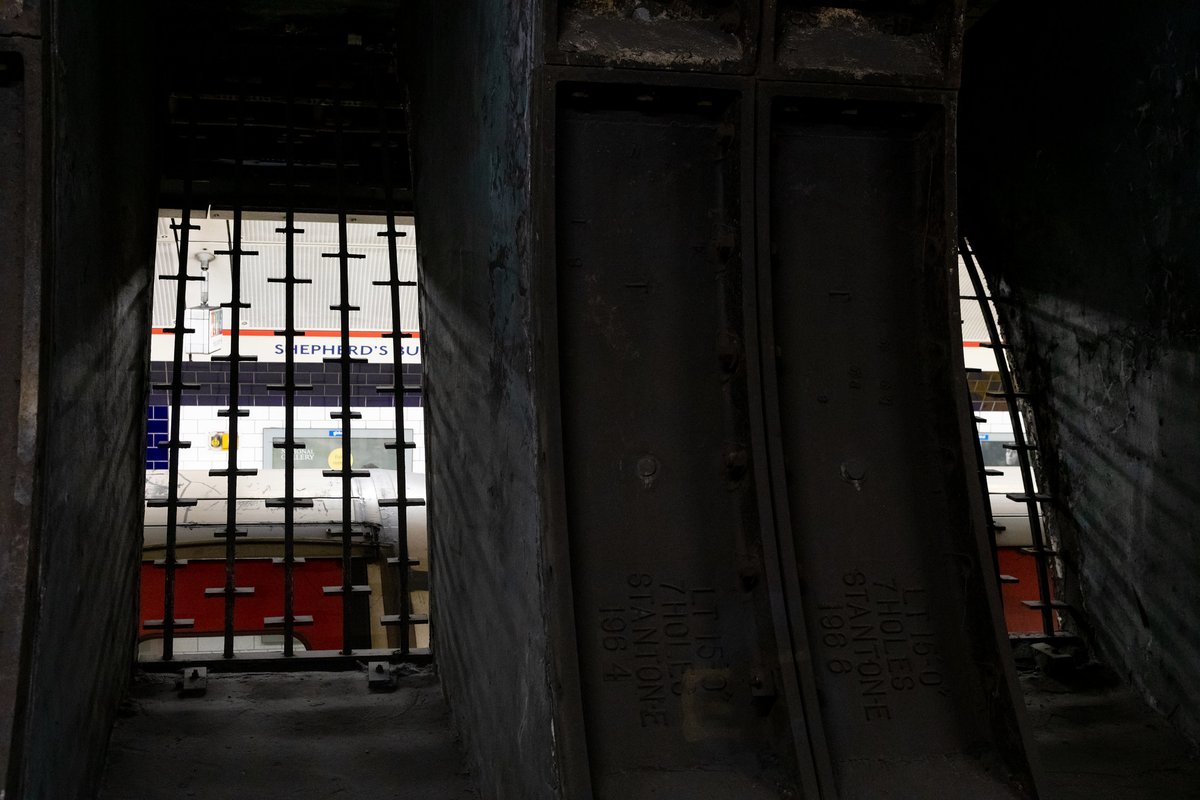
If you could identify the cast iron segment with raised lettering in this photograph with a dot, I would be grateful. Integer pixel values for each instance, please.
(676, 657)
(870, 436)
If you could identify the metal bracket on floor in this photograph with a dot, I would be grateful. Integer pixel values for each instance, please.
(193, 682)
(381, 676)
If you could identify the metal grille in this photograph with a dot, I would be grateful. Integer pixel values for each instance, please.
(291, 287)
(1022, 449)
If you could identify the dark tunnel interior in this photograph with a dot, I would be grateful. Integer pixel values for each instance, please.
(689, 321)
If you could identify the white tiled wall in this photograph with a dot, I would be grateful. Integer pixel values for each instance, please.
(197, 424)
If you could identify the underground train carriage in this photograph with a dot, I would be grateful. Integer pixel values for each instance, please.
(317, 545)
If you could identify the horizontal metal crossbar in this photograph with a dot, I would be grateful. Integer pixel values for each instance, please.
(283, 502)
(358, 588)
(1040, 604)
(153, 624)
(392, 502)
(297, 619)
(238, 533)
(334, 533)
(1026, 498)
(307, 660)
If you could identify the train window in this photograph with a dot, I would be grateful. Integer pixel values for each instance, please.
(995, 454)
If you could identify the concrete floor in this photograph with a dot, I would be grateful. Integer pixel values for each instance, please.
(1096, 741)
(317, 735)
(287, 736)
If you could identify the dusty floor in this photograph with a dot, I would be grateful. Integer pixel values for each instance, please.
(322, 735)
(1096, 741)
(291, 735)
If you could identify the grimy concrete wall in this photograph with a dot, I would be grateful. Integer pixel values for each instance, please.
(1080, 175)
(96, 265)
(472, 171)
(21, 169)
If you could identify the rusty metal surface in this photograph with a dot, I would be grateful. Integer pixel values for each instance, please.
(898, 599)
(900, 43)
(688, 35)
(674, 635)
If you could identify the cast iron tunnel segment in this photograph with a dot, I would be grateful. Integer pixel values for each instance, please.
(1031, 498)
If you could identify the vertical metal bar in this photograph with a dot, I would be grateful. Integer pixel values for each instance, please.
(394, 283)
(987, 500)
(347, 447)
(235, 357)
(184, 226)
(1039, 551)
(176, 387)
(289, 383)
(344, 359)
(289, 502)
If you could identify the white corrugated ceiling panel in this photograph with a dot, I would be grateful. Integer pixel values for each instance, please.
(312, 301)
(973, 328)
